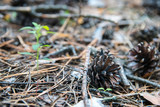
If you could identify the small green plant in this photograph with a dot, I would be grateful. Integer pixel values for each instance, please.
(36, 31)
(108, 89)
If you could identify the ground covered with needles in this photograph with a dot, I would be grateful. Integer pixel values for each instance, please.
(87, 55)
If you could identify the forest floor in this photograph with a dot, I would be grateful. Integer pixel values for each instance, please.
(84, 56)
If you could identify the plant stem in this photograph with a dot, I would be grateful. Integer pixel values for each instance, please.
(37, 57)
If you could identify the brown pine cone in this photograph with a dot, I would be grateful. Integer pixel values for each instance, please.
(143, 60)
(103, 71)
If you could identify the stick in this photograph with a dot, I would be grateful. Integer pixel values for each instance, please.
(122, 74)
(62, 51)
(52, 16)
(84, 82)
(33, 11)
(143, 80)
(7, 63)
(25, 83)
(54, 86)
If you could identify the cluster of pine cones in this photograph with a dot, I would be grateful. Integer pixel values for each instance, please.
(103, 71)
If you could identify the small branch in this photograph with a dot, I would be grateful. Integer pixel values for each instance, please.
(62, 51)
(84, 82)
(25, 83)
(6, 42)
(52, 16)
(7, 63)
(122, 74)
(130, 76)
(98, 34)
(54, 86)
(18, 9)
(27, 48)
(34, 10)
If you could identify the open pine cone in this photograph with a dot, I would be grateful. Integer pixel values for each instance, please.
(103, 71)
(143, 60)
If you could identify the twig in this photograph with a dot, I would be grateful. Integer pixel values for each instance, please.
(33, 11)
(122, 74)
(53, 104)
(98, 34)
(54, 86)
(7, 63)
(25, 83)
(32, 73)
(27, 48)
(93, 42)
(127, 95)
(6, 42)
(142, 80)
(84, 82)
(62, 51)
(52, 16)
(113, 97)
(18, 104)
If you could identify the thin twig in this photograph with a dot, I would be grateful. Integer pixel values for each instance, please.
(32, 73)
(7, 63)
(25, 83)
(54, 86)
(62, 51)
(98, 34)
(142, 80)
(6, 42)
(122, 74)
(27, 48)
(52, 16)
(33, 11)
(84, 82)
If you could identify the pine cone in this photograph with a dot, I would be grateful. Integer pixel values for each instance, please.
(103, 71)
(146, 34)
(143, 60)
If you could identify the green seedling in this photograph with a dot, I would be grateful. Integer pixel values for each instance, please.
(108, 89)
(36, 31)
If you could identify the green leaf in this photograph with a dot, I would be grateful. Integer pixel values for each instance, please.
(108, 89)
(24, 28)
(25, 53)
(32, 32)
(46, 46)
(101, 89)
(35, 24)
(46, 27)
(35, 46)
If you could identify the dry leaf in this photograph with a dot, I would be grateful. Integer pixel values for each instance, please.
(154, 99)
